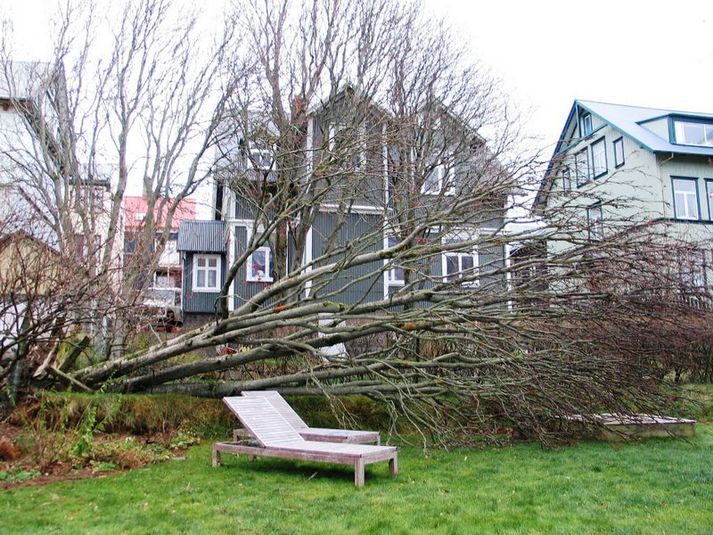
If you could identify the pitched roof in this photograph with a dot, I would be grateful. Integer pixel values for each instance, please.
(630, 120)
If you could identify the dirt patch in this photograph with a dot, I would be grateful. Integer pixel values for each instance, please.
(110, 454)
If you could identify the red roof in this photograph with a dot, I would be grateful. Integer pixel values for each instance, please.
(135, 209)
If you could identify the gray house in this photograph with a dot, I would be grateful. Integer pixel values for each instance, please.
(351, 191)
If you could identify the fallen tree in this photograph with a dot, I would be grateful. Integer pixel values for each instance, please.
(363, 127)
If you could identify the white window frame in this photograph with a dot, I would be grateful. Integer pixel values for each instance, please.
(256, 155)
(444, 178)
(460, 255)
(680, 125)
(249, 277)
(567, 179)
(205, 288)
(685, 194)
(335, 128)
(391, 273)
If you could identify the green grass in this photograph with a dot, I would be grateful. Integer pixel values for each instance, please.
(659, 486)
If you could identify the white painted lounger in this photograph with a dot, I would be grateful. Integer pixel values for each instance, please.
(276, 438)
(318, 434)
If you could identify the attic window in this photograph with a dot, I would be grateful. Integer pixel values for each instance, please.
(585, 124)
(693, 133)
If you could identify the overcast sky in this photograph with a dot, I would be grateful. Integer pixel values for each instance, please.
(647, 53)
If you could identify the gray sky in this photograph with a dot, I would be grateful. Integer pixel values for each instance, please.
(547, 53)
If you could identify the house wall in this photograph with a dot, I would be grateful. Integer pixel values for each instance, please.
(634, 192)
(198, 302)
(359, 283)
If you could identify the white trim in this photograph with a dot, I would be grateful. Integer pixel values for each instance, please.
(355, 209)
(389, 280)
(310, 145)
(261, 153)
(307, 260)
(249, 276)
(385, 152)
(444, 178)
(218, 268)
(460, 255)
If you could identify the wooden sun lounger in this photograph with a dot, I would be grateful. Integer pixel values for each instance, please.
(317, 434)
(274, 437)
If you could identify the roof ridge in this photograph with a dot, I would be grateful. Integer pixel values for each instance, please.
(666, 110)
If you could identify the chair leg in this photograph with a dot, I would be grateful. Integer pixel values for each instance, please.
(359, 472)
(216, 457)
(393, 466)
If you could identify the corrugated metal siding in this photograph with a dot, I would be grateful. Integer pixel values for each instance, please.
(244, 290)
(198, 302)
(244, 208)
(202, 236)
(491, 259)
(352, 229)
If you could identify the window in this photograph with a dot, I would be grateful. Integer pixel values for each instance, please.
(92, 197)
(595, 224)
(693, 133)
(87, 247)
(599, 158)
(261, 160)
(566, 179)
(438, 179)
(346, 144)
(618, 152)
(685, 198)
(260, 265)
(458, 266)
(585, 124)
(395, 275)
(692, 269)
(206, 273)
(581, 166)
(709, 195)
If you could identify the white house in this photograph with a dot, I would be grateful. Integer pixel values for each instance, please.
(621, 165)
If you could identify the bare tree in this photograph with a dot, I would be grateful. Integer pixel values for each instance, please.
(367, 173)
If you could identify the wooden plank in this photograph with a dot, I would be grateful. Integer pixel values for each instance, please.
(313, 433)
(280, 405)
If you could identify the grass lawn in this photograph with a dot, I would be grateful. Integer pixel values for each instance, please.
(659, 486)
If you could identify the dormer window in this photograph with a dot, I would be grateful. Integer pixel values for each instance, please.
(693, 133)
(585, 124)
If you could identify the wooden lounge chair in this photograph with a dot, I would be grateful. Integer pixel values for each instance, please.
(318, 434)
(274, 437)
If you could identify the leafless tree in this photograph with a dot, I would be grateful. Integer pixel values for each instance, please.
(363, 126)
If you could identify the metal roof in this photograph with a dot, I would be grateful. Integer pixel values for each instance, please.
(202, 236)
(629, 120)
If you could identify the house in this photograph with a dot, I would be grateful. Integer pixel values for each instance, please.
(355, 187)
(164, 281)
(617, 166)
